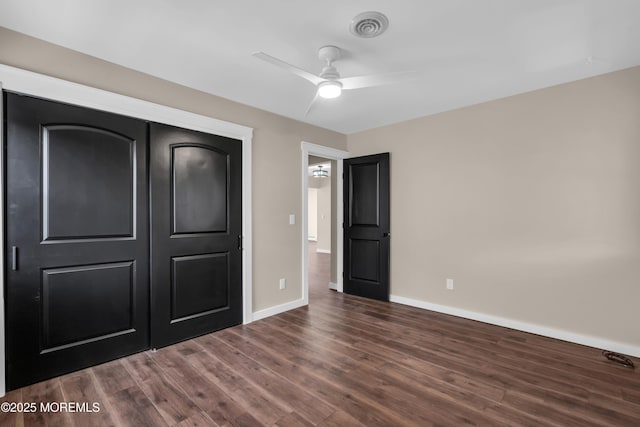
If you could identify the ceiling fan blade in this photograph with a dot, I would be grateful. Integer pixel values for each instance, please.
(291, 68)
(312, 105)
(359, 82)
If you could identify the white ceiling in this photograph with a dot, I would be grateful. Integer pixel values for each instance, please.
(470, 51)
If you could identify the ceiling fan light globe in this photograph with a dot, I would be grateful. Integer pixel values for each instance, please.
(330, 89)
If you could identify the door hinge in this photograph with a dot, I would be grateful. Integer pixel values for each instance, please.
(240, 242)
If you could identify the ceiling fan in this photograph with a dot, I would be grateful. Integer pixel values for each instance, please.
(329, 84)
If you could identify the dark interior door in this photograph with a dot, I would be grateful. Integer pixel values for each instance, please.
(77, 236)
(366, 226)
(196, 205)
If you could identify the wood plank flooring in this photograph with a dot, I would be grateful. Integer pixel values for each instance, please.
(348, 361)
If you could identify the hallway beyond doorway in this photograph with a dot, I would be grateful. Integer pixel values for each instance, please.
(319, 272)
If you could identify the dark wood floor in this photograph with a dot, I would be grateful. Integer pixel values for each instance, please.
(347, 361)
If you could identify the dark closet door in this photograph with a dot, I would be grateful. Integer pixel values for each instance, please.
(366, 228)
(77, 279)
(196, 257)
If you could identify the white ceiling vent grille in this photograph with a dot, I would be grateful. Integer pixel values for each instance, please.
(369, 24)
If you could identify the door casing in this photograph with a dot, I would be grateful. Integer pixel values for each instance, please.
(42, 86)
(332, 154)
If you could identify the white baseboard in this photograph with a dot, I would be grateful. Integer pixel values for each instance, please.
(333, 286)
(272, 311)
(323, 251)
(533, 328)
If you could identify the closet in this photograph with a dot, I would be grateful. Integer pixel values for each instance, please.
(121, 235)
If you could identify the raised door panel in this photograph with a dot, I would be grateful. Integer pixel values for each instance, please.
(199, 285)
(365, 260)
(364, 187)
(88, 183)
(199, 190)
(86, 303)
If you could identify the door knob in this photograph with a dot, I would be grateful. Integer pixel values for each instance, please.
(386, 234)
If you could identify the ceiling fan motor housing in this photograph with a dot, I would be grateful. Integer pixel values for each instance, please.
(330, 73)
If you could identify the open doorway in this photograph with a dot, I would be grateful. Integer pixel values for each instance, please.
(321, 220)
(321, 226)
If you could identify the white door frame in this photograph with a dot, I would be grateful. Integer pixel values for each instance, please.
(3, 386)
(42, 86)
(332, 154)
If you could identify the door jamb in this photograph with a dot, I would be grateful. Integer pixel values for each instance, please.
(332, 154)
(2, 252)
(43, 86)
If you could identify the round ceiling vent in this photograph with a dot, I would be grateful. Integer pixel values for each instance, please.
(369, 24)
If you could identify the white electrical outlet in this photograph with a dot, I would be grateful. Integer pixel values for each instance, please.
(292, 219)
(283, 283)
(450, 284)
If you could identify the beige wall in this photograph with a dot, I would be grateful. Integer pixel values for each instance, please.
(312, 214)
(324, 216)
(530, 203)
(277, 188)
